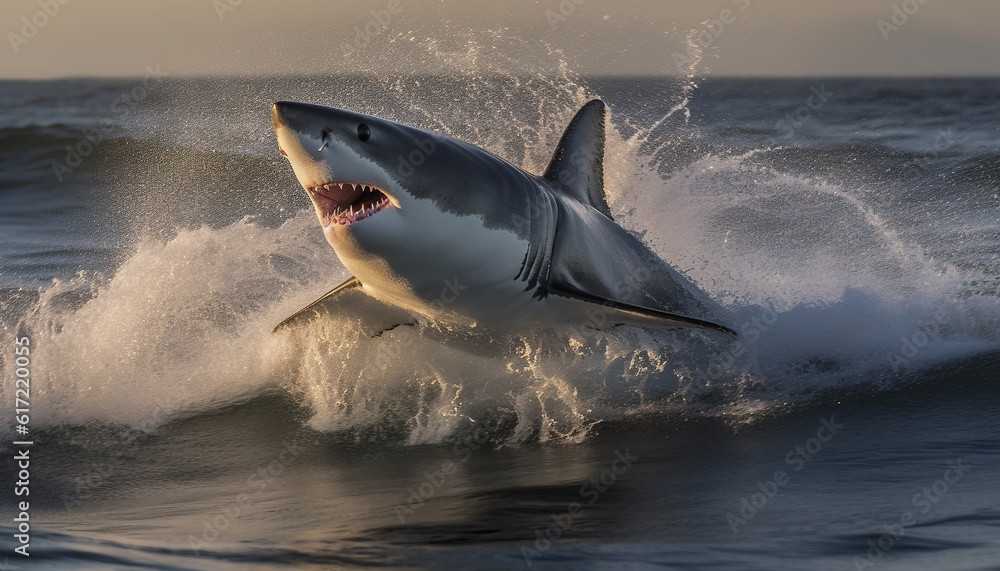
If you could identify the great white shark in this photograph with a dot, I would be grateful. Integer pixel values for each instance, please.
(434, 228)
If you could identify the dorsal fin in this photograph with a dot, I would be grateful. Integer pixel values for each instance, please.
(577, 166)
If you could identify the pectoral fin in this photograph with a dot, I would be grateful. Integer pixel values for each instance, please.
(627, 314)
(350, 299)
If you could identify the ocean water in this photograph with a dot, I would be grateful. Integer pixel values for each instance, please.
(151, 237)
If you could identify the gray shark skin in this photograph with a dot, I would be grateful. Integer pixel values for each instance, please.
(433, 228)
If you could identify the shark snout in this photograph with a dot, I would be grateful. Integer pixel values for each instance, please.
(278, 122)
(281, 111)
(303, 118)
(342, 183)
(291, 120)
(276, 115)
(283, 115)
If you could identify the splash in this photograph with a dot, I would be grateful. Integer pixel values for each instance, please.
(176, 330)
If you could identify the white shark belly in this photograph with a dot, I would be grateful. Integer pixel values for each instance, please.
(456, 270)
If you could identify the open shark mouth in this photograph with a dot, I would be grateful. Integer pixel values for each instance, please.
(346, 202)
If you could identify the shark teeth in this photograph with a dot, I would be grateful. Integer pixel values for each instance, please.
(361, 201)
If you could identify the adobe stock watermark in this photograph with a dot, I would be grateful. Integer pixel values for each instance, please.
(31, 26)
(944, 140)
(259, 480)
(911, 345)
(593, 490)
(899, 17)
(409, 164)
(434, 481)
(797, 458)
(750, 332)
(804, 113)
(126, 102)
(99, 474)
(223, 7)
(381, 20)
(450, 292)
(600, 316)
(705, 37)
(925, 500)
(583, 160)
(563, 11)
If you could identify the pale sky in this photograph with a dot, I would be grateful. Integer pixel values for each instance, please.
(266, 37)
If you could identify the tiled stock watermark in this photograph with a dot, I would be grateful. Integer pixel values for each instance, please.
(912, 344)
(257, 482)
(223, 7)
(592, 490)
(944, 140)
(750, 332)
(380, 21)
(435, 480)
(100, 473)
(924, 500)
(900, 15)
(797, 458)
(704, 37)
(563, 11)
(31, 25)
(409, 164)
(125, 103)
(450, 292)
(804, 113)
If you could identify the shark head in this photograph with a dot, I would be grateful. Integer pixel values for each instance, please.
(378, 181)
(343, 161)
(395, 201)
(368, 176)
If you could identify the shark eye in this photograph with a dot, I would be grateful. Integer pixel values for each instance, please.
(364, 133)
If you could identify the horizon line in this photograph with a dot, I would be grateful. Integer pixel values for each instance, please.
(710, 76)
